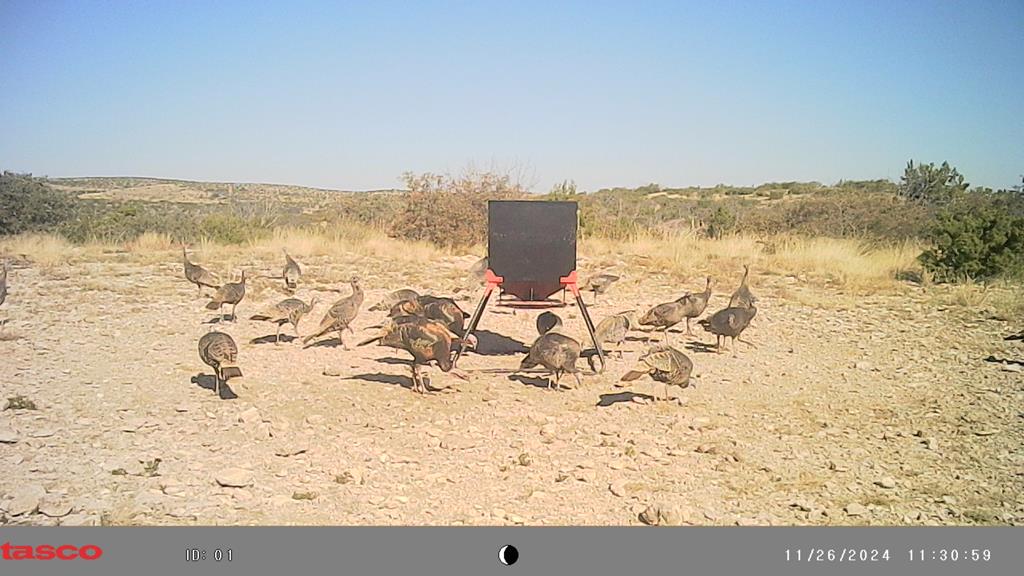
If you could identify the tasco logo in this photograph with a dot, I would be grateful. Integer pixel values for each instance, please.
(47, 552)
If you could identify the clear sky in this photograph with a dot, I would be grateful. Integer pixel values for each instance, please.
(351, 95)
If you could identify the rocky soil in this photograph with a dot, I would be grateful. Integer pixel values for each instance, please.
(882, 411)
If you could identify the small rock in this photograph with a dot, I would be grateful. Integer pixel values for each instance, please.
(26, 500)
(351, 476)
(304, 495)
(234, 478)
(498, 513)
(887, 482)
(42, 433)
(855, 509)
(516, 519)
(1015, 368)
(863, 365)
(988, 432)
(402, 499)
(8, 436)
(331, 371)
(547, 430)
(53, 507)
(801, 505)
(949, 500)
(288, 451)
(80, 520)
(706, 449)
(665, 515)
(250, 416)
(931, 443)
(618, 488)
(525, 459)
(455, 442)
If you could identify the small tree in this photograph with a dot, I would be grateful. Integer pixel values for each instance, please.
(978, 237)
(28, 204)
(721, 222)
(451, 211)
(931, 185)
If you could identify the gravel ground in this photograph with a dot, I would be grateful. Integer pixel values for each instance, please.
(879, 411)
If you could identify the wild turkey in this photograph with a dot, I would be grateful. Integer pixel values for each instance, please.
(664, 316)
(555, 352)
(407, 308)
(426, 340)
(3, 282)
(599, 284)
(548, 321)
(1018, 336)
(288, 311)
(395, 297)
(445, 310)
(340, 315)
(613, 329)
(198, 275)
(291, 272)
(230, 293)
(218, 351)
(695, 304)
(742, 298)
(663, 364)
(478, 269)
(729, 322)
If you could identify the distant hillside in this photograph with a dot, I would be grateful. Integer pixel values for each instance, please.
(124, 189)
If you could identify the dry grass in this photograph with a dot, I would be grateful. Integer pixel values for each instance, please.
(343, 238)
(1004, 301)
(847, 264)
(153, 242)
(45, 250)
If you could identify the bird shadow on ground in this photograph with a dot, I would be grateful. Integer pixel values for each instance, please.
(220, 320)
(209, 382)
(612, 399)
(698, 346)
(326, 342)
(530, 380)
(492, 344)
(392, 360)
(271, 339)
(995, 360)
(393, 379)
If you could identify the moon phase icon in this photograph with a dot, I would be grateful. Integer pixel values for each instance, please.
(508, 555)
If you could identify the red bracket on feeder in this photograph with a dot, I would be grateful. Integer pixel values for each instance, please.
(492, 280)
(571, 283)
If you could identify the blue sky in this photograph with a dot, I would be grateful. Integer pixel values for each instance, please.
(351, 95)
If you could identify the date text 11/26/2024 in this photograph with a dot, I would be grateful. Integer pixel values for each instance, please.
(852, 555)
(199, 554)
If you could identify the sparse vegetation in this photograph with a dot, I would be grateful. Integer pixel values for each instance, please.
(451, 211)
(29, 205)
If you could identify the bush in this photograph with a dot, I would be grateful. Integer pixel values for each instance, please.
(721, 222)
(448, 211)
(926, 183)
(29, 205)
(978, 237)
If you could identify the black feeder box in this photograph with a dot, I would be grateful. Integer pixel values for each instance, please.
(531, 254)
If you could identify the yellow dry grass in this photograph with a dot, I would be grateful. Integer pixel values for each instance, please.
(45, 250)
(843, 263)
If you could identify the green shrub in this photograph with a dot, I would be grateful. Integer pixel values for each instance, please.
(978, 237)
(721, 222)
(29, 205)
(926, 183)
